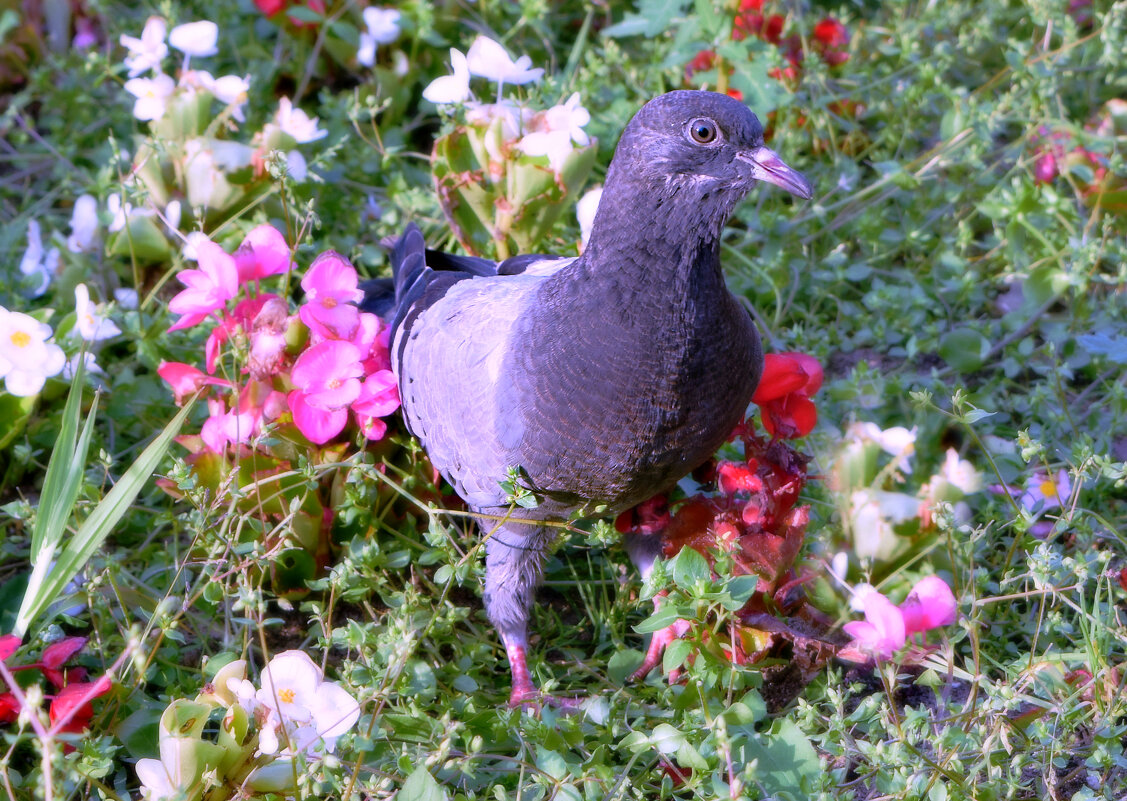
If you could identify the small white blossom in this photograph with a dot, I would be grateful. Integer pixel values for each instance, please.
(488, 59)
(297, 123)
(37, 264)
(126, 298)
(229, 89)
(383, 28)
(960, 473)
(453, 88)
(27, 359)
(147, 52)
(152, 96)
(122, 212)
(195, 38)
(556, 145)
(91, 325)
(83, 225)
(70, 370)
(311, 712)
(585, 211)
(571, 117)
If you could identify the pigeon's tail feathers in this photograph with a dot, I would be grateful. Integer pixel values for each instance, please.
(379, 297)
(408, 262)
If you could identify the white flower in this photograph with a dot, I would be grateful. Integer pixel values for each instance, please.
(512, 116)
(200, 172)
(38, 265)
(126, 298)
(383, 28)
(152, 96)
(960, 473)
(229, 89)
(556, 145)
(488, 59)
(172, 214)
(297, 123)
(872, 515)
(451, 88)
(310, 711)
(70, 369)
(122, 212)
(296, 166)
(83, 225)
(156, 784)
(147, 52)
(195, 38)
(91, 325)
(570, 117)
(27, 360)
(1044, 492)
(585, 211)
(897, 441)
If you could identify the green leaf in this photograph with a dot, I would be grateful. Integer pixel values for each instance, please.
(45, 587)
(675, 654)
(421, 786)
(661, 618)
(964, 349)
(689, 568)
(787, 762)
(653, 17)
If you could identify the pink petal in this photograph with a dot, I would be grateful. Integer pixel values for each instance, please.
(263, 252)
(929, 605)
(188, 321)
(883, 633)
(379, 396)
(185, 379)
(332, 275)
(331, 319)
(317, 425)
(326, 363)
(219, 267)
(372, 428)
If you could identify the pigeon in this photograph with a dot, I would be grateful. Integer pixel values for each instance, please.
(596, 381)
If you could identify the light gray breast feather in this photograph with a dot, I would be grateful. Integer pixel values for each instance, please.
(452, 380)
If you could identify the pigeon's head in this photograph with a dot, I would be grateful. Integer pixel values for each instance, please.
(702, 146)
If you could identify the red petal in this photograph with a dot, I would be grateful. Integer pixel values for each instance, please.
(782, 375)
(8, 645)
(69, 702)
(9, 708)
(55, 655)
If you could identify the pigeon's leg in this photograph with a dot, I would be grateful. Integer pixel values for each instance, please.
(514, 561)
(643, 550)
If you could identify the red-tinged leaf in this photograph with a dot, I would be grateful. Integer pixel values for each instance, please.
(8, 645)
(56, 655)
(9, 708)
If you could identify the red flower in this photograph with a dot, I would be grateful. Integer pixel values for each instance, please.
(704, 60)
(8, 645)
(831, 38)
(270, 7)
(9, 708)
(72, 702)
(783, 394)
(732, 477)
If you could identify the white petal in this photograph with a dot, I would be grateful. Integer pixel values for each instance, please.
(195, 38)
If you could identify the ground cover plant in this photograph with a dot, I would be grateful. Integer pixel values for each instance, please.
(227, 571)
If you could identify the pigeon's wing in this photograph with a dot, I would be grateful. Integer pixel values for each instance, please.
(448, 358)
(453, 326)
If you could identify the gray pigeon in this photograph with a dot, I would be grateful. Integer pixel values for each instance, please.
(602, 379)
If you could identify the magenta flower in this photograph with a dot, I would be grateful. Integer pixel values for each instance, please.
(263, 252)
(209, 287)
(328, 374)
(929, 605)
(330, 290)
(317, 425)
(379, 397)
(224, 427)
(882, 632)
(185, 379)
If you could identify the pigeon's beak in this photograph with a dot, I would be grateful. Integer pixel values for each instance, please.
(767, 166)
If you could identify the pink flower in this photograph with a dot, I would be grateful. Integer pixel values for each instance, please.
(268, 339)
(264, 252)
(929, 605)
(186, 380)
(317, 425)
(209, 288)
(242, 317)
(882, 633)
(328, 374)
(225, 427)
(330, 290)
(379, 397)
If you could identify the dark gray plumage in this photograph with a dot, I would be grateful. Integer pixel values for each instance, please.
(605, 378)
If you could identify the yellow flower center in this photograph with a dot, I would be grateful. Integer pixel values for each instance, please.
(1048, 488)
(334, 383)
(21, 339)
(286, 696)
(329, 303)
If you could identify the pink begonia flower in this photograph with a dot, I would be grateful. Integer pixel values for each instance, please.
(185, 379)
(263, 252)
(209, 287)
(929, 605)
(317, 425)
(379, 397)
(882, 632)
(268, 339)
(328, 374)
(242, 317)
(226, 427)
(330, 292)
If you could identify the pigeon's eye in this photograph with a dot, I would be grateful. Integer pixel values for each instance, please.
(703, 131)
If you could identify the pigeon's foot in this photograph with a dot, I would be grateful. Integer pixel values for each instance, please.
(525, 693)
(658, 643)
